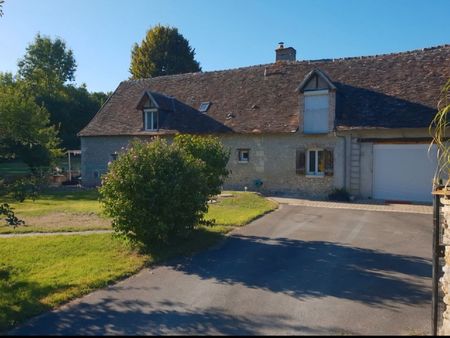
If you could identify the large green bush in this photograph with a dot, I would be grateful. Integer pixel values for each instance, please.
(155, 192)
(210, 150)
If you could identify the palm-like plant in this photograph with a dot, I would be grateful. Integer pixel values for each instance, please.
(438, 130)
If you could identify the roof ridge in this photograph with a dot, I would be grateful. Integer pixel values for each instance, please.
(412, 51)
(425, 49)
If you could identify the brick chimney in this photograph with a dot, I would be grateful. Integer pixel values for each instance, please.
(285, 54)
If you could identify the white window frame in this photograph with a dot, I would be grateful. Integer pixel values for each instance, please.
(321, 92)
(316, 172)
(153, 113)
(240, 151)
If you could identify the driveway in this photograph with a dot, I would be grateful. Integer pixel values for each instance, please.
(298, 270)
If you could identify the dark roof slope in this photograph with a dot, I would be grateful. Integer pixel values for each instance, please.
(384, 91)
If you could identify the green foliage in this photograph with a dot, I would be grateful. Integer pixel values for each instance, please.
(71, 108)
(43, 73)
(341, 195)
(10, 217)
(47, 63)
(25, 130)
(164, 51)
(26, 187)
(1, 7)
(438, 130)
(210, 150)
(155, 192)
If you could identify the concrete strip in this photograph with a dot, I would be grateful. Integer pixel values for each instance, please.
(31, 234)
(408, 208)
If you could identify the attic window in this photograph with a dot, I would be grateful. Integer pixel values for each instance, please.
(204, 106)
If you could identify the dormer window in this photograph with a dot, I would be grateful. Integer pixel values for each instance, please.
(317, 90)
(151, 119)
(316, 112)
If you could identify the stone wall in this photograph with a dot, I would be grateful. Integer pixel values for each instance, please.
(272, 160)
(445, 280)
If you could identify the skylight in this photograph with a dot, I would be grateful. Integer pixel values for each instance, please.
(204, 106)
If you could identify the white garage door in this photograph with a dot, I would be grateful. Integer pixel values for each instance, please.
(403, 172)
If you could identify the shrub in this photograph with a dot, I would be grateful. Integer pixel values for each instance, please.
(7, 212)
(210, 150)
(341, 195)
(155, 192)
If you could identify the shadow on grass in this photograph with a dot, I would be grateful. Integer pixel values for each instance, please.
(73, 194)
(200, 239)
(20, 299)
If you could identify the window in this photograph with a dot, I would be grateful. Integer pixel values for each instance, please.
(244, 155)
(316, 112)
(114, 156)
(151, 119)
(204, 106)
(315, 163)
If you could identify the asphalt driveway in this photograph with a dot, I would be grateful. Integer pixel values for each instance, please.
(299, 270)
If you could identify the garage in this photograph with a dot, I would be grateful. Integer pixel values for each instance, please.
(403, 172)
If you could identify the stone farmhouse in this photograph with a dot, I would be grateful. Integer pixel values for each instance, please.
(300, 127)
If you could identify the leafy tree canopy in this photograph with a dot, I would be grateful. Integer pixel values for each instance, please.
(164, 51)
(71, 108)
(47, 63)
(25, 129)
(44, 72)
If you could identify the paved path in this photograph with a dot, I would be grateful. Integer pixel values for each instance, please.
(359, 205)
(62, 233)
(298, 270)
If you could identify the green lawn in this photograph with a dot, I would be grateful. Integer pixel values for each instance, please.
(240, 209)
(40, 272)
(78, 210)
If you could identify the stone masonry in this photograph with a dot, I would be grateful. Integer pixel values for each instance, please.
(272, 160)
(445, 280)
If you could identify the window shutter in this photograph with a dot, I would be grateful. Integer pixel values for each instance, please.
(328, 156)
(143, 120)
(300, 162)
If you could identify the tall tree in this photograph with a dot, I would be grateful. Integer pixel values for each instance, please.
(71, 108)
(164, 51)
(25, 130)
(47, 63)
(46, 70)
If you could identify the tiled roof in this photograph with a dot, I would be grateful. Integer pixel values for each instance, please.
(384, 91)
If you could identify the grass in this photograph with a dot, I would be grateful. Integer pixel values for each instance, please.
(80, 210)
(239, 209)
(59, 210)
(39, 273)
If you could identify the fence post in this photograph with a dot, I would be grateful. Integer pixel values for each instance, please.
(436, 256)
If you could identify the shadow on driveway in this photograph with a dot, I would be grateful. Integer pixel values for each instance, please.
(300, 269)
(315, 269)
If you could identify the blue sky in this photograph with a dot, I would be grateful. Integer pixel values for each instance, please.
(225, 34)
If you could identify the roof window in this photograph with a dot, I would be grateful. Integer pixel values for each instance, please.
(204, 106)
